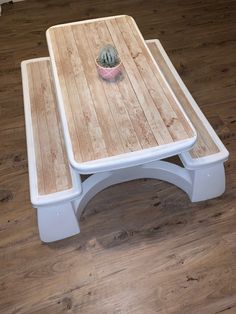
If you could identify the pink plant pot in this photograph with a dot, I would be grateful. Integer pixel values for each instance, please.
(109, 74)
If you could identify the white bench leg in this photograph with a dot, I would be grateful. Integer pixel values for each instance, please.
(56, 222)
(207, 182)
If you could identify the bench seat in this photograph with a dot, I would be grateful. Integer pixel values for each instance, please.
(208, 149)
(53, 184)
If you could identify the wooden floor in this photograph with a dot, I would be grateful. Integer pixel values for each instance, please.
(144, 247)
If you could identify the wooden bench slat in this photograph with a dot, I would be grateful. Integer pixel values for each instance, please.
(205, 145)
(53, 173)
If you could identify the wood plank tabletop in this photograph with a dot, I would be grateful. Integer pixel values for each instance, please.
(138, 113)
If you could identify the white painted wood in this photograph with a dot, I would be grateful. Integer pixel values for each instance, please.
(55, 213)
(156, 170)
(56, 222)
(207, 182)
(60, 221)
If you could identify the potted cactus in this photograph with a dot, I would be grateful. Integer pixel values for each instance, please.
(108, 63)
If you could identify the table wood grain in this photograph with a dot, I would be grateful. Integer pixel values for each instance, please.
(106, 119)
(138, 262)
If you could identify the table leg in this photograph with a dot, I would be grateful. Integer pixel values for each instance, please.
(156, 170)
(207, 182)
(56, 222)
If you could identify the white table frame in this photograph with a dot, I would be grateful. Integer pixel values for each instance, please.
(58, 216)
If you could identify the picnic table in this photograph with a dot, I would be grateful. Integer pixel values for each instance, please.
(78, 123)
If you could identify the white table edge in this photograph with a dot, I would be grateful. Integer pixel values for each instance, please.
(116, 162)
(131, 159)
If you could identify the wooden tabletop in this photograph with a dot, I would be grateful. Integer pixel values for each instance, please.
(136, 117)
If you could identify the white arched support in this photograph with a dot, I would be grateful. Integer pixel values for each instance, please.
(200, 184)
(156, 170)
(161, 170)
(61, 220)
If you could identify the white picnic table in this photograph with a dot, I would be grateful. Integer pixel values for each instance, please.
(77, 123)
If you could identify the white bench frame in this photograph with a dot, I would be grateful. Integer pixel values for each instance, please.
(58, 214)
(55, 209)
(207, 173)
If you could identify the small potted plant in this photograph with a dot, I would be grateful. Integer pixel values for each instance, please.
(108, 63)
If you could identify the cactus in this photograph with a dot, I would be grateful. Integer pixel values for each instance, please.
(108, 57)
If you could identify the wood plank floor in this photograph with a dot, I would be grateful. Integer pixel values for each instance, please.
(144, 247)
